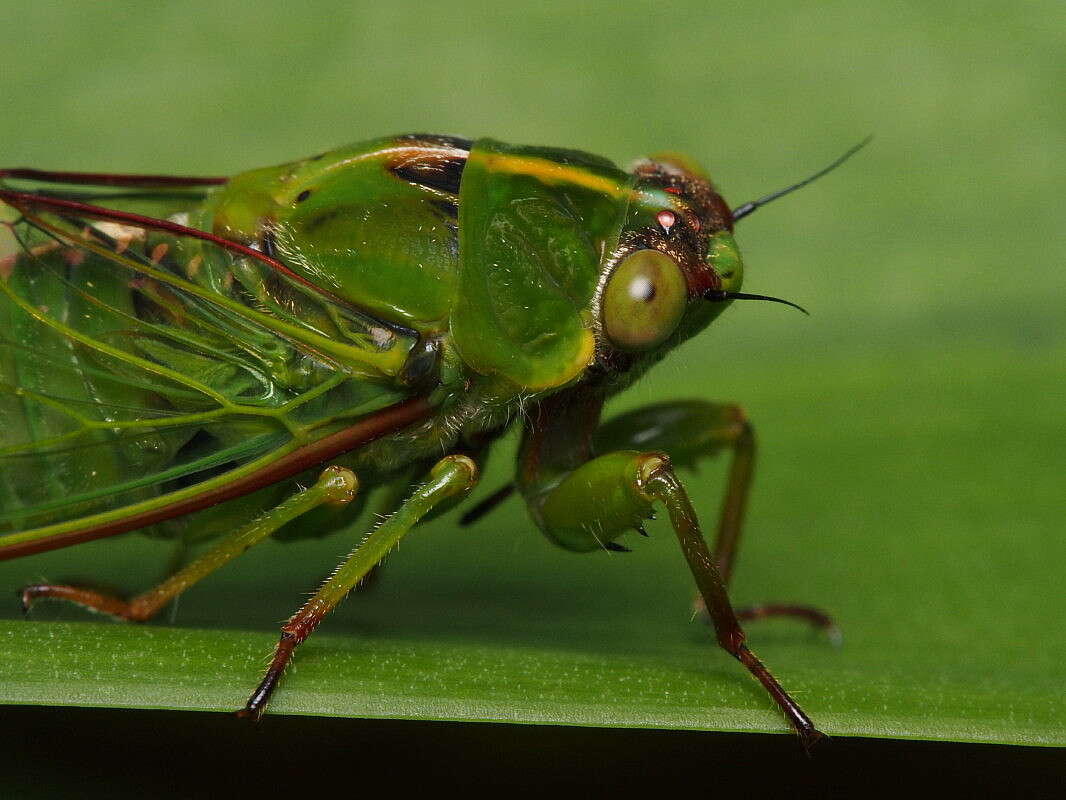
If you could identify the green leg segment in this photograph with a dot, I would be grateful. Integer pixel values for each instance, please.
(451, 477)
(335, 486)
(691, 431)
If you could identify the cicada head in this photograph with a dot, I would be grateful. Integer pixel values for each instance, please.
(676, 251)
(677, 265)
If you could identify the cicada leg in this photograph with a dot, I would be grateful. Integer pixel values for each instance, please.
(335, 485)
(693, 430)
(606, 495)
(656, 480)
(451, 477)
(583, 493)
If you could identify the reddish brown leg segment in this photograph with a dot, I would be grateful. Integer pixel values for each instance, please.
(661, 484)
(819, 620)
(740, 436)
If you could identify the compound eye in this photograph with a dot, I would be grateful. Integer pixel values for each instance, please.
(644, 300)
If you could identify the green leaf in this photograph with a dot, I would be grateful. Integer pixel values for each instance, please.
(929, 573)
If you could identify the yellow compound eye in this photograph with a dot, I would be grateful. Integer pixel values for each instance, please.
(644, 300)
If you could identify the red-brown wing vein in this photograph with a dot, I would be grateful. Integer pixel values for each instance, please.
(380, 423)
(20, 199)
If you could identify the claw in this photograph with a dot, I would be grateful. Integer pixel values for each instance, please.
(641, 531)
(809, 738)
(616, 548)
(26, 596)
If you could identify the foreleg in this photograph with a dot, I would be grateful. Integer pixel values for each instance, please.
(692, 431)
(609, 494)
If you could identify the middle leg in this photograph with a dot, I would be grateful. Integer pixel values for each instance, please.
(450, 477)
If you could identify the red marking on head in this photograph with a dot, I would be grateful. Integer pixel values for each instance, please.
(672, 190)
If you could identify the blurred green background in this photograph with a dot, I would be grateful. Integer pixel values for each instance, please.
(913, 432)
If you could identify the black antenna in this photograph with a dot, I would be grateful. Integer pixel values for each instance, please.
(742, 211)
(720, 296)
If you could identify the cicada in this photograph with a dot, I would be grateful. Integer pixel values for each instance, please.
(232, 359)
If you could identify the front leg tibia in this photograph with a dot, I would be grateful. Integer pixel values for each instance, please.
(663, 485)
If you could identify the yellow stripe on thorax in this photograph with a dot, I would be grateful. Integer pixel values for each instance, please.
(547, 171)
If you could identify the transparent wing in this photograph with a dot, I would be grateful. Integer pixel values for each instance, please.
(136, 361)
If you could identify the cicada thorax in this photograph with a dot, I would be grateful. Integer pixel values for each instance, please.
(375, 224)
(482, 255)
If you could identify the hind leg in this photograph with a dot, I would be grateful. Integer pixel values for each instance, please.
(336, 485)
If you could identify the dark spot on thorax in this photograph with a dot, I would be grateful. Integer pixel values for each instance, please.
(436, 172)
(316, 221)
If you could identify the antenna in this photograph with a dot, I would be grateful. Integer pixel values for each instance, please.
(742, 211)
(720, 296)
